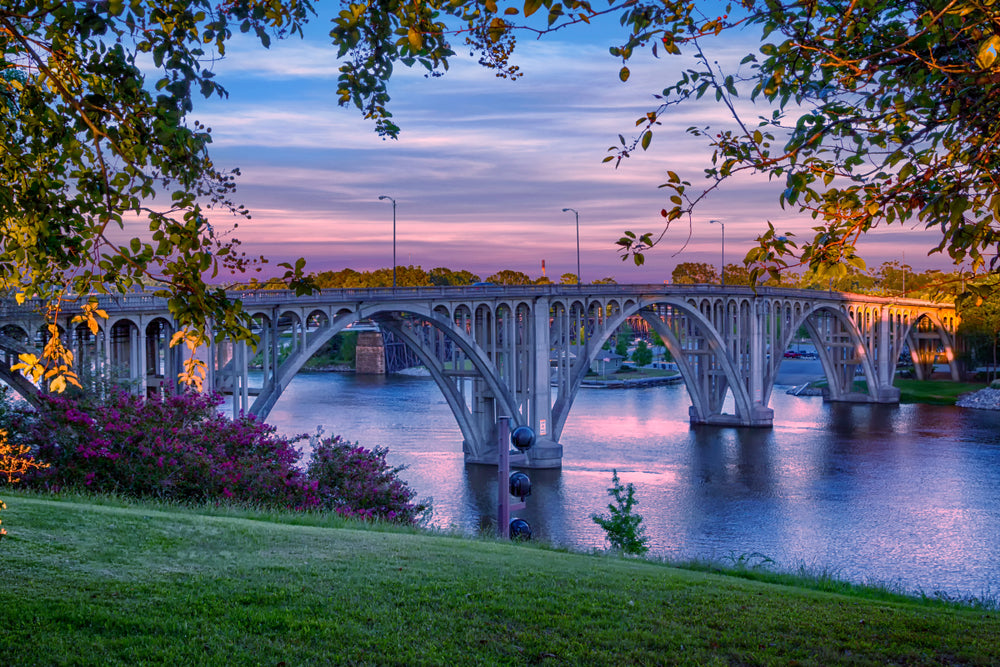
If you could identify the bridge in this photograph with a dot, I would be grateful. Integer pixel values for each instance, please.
(523, 351)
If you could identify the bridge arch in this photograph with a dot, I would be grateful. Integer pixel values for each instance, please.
(477, 422)
(841, 346)
(924, 331)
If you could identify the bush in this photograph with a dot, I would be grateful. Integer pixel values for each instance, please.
(358, 483)
(178, 447)
(623, 528)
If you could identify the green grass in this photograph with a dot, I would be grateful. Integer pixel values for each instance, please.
(935, 392)
(932, 392)
(106, 582)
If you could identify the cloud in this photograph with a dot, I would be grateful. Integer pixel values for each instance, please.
(483, 166)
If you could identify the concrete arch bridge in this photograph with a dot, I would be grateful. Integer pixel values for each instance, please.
(523, 351)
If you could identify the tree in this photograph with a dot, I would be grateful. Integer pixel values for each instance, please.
(89, 141)
(980, 324)
(509, 277)
(642, 355)
(899, 126)
(738, 274)
(569, 279)
(443, 276)
(881, 112)
(622, 526)
(694, 273)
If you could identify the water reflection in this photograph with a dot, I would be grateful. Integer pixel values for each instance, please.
(900, 494)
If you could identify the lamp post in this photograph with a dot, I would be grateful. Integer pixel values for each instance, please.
(723, 268)
(579, 278)
(382, 198)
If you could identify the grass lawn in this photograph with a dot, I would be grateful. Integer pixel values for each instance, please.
(932, 392)
(91, 582)
(935, 392)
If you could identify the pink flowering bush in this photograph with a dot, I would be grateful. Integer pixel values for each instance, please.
(358, 483)
(180, 448)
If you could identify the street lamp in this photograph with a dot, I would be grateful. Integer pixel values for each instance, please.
(723, 270)
(579, 278)
(382, 198)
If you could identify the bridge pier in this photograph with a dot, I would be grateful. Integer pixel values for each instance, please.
(759, 417)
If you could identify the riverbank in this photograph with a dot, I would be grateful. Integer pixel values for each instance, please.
(632, 380)
(984, 399)
(97, 582)
(928, 392)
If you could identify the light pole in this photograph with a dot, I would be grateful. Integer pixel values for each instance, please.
(723, 269)
(384, 197)
(579, 278)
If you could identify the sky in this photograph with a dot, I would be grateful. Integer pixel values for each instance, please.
(484, 166)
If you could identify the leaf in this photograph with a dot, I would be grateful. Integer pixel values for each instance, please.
(531, 6)
(646, 138)
(415, 39)
(989, 51)
(623, 74)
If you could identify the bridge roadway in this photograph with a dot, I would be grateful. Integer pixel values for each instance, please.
(523, 351)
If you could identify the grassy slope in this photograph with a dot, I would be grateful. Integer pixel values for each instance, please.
(99, 584)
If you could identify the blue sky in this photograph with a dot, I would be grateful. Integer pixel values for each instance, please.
(483, 166)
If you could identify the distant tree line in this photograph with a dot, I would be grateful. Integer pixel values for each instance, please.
(416, 276)
(980, 315)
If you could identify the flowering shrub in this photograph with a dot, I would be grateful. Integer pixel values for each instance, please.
(180, 448)
(357, 482)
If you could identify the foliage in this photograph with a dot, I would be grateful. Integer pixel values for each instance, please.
(509, 277)
(980, 324)
(694, 273)
(737, 274)
(880, 112)
(89, 141)
(623, 527)
(444, 276)
(358, 483)
(178, 447)
(642, 355)
(16, 460)
(569, 279)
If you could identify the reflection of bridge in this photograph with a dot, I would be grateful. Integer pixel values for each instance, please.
(523, 351)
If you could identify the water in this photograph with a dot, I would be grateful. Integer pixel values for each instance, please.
(907, 496)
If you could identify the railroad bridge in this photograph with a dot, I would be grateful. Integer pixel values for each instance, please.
(523, 351)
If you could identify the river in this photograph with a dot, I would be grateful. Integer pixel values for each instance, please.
(906, 496)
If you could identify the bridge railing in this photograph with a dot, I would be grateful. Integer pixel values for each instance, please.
(139, 301)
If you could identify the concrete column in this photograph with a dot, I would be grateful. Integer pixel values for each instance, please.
(370, 358)
(547, 452)
(760, 414)
(244, 378)
(886, 367)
